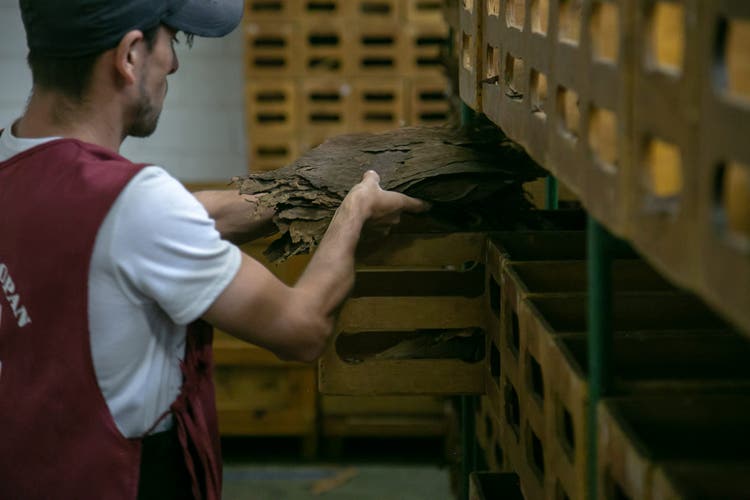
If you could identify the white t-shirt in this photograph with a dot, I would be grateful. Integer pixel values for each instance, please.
(158, 264)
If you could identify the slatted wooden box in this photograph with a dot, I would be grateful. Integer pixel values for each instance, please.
(272, 49)
(429, 101)
(425, 45)
(556, 78)
(379, 104)
(414, 323)
(326, 45)
(554, 390)
(643, 439)
(378, 49)
(723, 174)
(269, 152)
(258, 395)
(272, 106)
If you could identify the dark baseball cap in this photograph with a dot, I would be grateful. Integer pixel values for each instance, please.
(74, 28)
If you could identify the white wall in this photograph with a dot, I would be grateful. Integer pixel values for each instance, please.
(201, 134)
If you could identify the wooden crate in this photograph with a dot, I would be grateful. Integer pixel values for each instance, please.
(554, 391)
(637, 434)
(556, 80)
(383, 416)
(269, 152)
(723, 174)
(258, 395)
(379, 104)
(429, 101)
(272, 49)
(377, 49)
(414, 298)
(325, 47)
(425, 45)
(326, 106)
(271, 106)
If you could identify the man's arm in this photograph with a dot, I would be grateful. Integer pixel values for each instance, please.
(295, 322)
(235, 215)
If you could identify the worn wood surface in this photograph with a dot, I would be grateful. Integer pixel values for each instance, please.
(458, 170)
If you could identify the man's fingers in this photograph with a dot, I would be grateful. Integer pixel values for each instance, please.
(371, 176)
(415, 205)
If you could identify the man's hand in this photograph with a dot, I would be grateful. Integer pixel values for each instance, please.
(381, 209)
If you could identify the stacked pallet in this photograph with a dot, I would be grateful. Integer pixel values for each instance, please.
(317, 68)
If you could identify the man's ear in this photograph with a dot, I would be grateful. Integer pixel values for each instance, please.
(129, 56)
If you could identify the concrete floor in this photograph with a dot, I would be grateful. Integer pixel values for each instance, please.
(357, 470)
(358, 482)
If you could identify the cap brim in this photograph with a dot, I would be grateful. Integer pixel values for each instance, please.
(208, 18)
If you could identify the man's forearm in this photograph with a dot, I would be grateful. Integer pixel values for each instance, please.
(330, 273)
(237, 216)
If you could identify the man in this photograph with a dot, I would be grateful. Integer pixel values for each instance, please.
(109, 269)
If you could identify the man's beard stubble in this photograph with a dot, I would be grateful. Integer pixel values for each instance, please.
(146, 115)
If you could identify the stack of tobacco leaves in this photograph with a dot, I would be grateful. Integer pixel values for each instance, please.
(465, 173)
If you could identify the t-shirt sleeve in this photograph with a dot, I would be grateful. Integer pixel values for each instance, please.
(166, 248)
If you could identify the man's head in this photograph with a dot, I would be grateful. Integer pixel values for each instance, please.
(67, 40)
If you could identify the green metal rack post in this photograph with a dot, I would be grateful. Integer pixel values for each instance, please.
(599, 263)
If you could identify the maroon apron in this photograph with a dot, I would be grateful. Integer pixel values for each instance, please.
(57, 436)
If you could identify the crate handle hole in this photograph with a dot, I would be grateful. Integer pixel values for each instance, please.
(493, 8)
(488, 427)
(515, 334)
(267, 6)
(495, 362)
(540, 17)
(666, 39)
(514, 74)
(467, 52)
(512, 407)
(494, 288)
(663, 176)
(268, 118)
(467, 344)
(731, 212)
(535, 454)
(732, 64)
(270, 96)
(499, 456)
(605, 31)
(515, 13)
(538, 86)
(571, 12)
(269, 42)
(377, 8)
(535, 378)
(567, 433)
(492, 65)
(603, 137)
(569, 112)
(321, 6)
